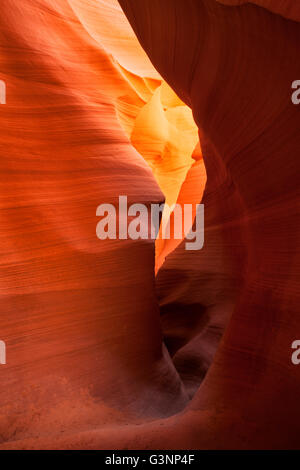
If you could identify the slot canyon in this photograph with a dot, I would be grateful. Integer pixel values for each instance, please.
(142, 344)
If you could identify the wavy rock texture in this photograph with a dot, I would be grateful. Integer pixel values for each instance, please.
(159, 125)
(287, 8)
(81, 318)
(235, 66)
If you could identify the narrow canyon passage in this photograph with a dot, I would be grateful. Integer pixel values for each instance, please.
(80, 316)
(101, 352)
(235, 67)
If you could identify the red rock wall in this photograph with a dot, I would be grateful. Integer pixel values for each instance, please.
(79, 316)
(287, 8)
(235, 67)
(86, 361)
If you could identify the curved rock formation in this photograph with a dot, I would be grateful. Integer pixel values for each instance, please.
(235, 67)
(81, 318)
(287, 8)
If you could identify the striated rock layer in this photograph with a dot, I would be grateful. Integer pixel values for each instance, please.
(235, 66)
(287, 8)
(80, 317)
